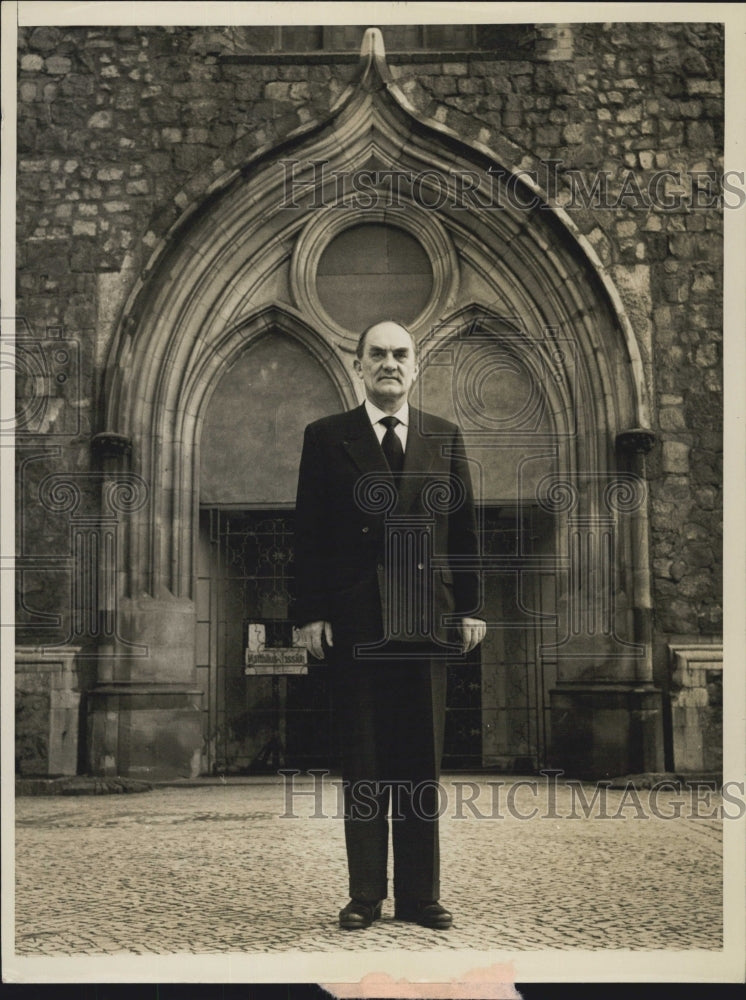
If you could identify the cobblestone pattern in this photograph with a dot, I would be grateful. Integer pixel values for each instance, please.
(214, 869)
(121, 129)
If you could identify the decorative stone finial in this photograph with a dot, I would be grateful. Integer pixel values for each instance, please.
(373, 58)
(372, 44)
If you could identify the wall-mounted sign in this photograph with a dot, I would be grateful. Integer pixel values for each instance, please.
(280, 660)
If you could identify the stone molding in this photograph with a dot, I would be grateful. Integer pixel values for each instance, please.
(324, 226)
(689, 660)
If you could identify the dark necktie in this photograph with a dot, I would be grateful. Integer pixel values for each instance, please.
(392, 446)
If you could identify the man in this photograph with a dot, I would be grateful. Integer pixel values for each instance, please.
(386, 544)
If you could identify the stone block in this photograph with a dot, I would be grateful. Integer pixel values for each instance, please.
(163, 631)
(277, 91)
(82, 228)
(299, 91)
(683, 246)
(707, 87)
(470, 85)
(57, 65)
(700, 134)
(109, 174)
(671, 418)
(547, 135)
(697, 585)
(31, 63)
(28, 91)
(707, 355)
(698, 554)
(47, 710)
(145, 715)
(190, 157)
(145, 730)
(628, 116)
(45, 39)
(101, 119)
(689, 751)
(675, 457)
(138, 186)
(603, 731)
(706, 498)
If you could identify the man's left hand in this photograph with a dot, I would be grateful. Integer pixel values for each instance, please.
(473, 630)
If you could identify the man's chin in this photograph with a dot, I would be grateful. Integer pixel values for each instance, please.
(389, 394)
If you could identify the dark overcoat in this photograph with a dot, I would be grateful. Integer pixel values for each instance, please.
(385, 560)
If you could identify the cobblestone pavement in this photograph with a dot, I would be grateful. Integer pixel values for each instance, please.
(214, 869)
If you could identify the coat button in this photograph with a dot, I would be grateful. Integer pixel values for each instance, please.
(366, 529)
(420, 565)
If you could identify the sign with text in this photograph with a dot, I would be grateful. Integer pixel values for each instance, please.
(277, 660)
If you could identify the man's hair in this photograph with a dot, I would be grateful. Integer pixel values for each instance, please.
(360, 350)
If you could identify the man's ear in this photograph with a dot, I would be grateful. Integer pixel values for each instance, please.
(357, 366)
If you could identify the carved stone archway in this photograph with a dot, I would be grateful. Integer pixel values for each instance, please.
(242, 261)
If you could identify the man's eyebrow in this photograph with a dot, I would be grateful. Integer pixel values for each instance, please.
(398, 351)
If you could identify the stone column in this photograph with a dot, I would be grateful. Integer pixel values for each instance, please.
(144, 713)
(606, 712)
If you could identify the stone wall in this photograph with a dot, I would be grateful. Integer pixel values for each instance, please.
(121, 129)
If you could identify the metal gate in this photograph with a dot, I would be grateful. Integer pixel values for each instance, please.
(497, 702)
(256, 723)
(498, 698)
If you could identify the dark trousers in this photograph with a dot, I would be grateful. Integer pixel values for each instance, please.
(391, 717)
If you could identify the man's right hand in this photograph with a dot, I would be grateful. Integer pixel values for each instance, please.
(310, 636)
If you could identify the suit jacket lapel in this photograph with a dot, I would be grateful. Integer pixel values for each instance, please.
(362, 444)
(418, 458)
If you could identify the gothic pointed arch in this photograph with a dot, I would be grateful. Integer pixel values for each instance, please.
(248, 253)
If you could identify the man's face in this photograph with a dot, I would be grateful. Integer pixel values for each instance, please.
(388, 366)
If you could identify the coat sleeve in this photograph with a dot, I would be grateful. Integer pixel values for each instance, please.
(311, 535)
(463, 538)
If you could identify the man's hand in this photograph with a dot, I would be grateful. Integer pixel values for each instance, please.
(473, 630)
(310, 637)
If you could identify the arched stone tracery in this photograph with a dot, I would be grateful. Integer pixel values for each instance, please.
(241, 264)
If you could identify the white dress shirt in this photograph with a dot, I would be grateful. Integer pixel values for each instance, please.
(376, 415)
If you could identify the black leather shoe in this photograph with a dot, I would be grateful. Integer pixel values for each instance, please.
(431, 915)
(358, 915)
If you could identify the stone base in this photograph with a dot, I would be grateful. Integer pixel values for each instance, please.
(145, 730)
(156, 642)
(696, 694)
(600, 731)
(46, 712)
